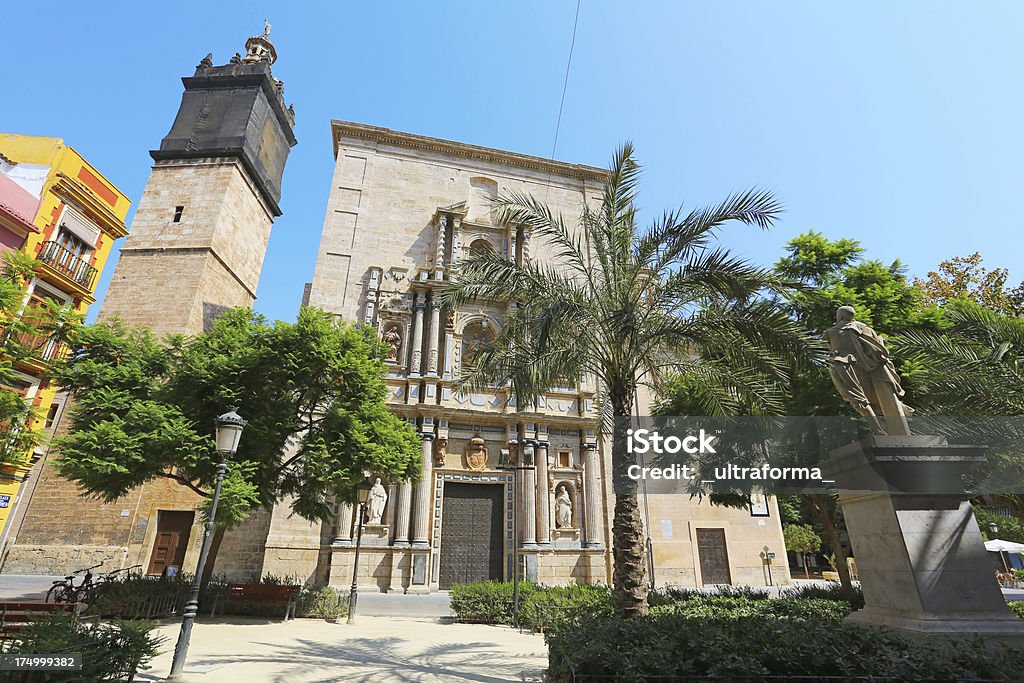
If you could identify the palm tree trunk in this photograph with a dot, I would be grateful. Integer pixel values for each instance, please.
(630, 569)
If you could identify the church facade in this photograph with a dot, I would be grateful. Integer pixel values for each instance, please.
(402, 210)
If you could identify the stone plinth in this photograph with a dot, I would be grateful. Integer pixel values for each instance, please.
(921, 557)
(375, 534)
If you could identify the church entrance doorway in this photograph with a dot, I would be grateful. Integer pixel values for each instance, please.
(472, 542)
(172, 531)
(714, 556)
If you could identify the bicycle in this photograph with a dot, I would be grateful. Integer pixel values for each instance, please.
(65, 591)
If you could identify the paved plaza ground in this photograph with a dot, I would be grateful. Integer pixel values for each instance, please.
(402, 638)
(374, 649)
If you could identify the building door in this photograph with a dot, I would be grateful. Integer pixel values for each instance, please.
(471, 538)
(714, 556)
(172, 532)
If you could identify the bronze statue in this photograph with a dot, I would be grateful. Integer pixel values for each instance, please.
(865, 375)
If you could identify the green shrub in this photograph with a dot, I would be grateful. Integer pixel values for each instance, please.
(110, 652)
(722, 607)
(1017, 607)
(833, 590)
(491, 602)
(727, 637)
(547, 606)
(321, 602)
(487, 602)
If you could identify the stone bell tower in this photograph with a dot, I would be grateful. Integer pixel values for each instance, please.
(196, 248)
(200, 233)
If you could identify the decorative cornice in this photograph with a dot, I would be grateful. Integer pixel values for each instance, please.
(348, 129)
(69, 188)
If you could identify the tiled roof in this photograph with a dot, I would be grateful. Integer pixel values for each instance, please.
(18, 203)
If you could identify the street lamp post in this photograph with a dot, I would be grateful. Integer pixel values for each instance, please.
(505, 464)
(228, 432)
(353, 596)
(992, 531)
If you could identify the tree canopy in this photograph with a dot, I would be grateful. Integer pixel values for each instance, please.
(966, 278)
(312, 392)
(27, 329)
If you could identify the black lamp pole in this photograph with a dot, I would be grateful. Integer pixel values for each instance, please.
(505, 464)
(353, 595)
(228, 432)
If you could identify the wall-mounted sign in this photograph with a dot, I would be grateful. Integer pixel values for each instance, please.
(5, 501)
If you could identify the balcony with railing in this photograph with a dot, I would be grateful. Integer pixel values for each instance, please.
(59, 258)
(42, 348)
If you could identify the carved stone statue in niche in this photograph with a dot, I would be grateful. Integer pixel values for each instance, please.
(393, 340)
(475, 339)
(563, 508)
(476, 454)
(375, 504)
(440, 451)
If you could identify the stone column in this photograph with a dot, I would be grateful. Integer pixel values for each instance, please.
(389, 510)
(433, 335)
(543, 496)
(421, 518)
(416, 364)
(403, 509)
(529, 500)
(449, 345)
(592, 500)
(344, 533)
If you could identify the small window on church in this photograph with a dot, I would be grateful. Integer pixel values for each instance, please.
(178, 210)
(565, 458)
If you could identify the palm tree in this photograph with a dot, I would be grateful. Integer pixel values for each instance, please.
(632, 308)
(975, 367)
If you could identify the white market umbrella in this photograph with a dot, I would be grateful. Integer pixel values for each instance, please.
(998, 546)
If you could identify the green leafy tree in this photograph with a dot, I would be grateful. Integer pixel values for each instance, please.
(836, 274)
(312, 392)
(26, 330)
(632, 307)
(965, 278)
(801, 539)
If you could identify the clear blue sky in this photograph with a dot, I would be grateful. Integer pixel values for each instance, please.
(899, 124)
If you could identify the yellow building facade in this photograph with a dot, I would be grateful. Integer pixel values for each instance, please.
(59, 209)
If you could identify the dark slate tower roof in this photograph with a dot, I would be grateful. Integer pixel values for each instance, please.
(236, 110)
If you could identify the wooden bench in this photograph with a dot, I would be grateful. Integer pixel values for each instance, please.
(16, 616)
(258, 594)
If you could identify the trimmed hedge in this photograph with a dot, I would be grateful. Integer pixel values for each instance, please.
(734, 637)
(1017, 607)
(490, 602)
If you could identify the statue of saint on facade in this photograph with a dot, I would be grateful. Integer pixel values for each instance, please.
(440, 451)
(864, 374)
(563, 508)
(375, 504)
(393, 340)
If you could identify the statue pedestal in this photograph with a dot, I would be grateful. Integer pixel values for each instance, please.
(375, 534)
(565, 537)
(921, 558)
